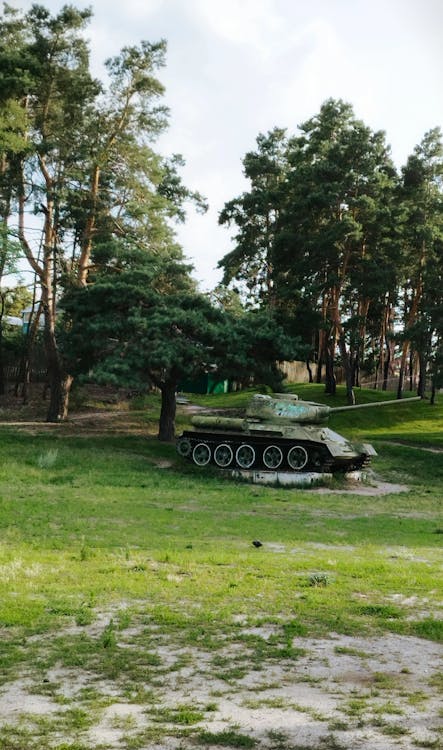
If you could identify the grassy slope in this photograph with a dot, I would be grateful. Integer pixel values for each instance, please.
(113, 552)
(86, 521)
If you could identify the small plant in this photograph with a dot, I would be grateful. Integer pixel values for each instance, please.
(430, 628)
(319, 579)
(186, 715)
(48, 459)
(394, 730)
(108, 639)
(84, 616)
(338, 725)
(228, 738)
(279, 740)
(436, 681)
(384, 681)
(387, 611)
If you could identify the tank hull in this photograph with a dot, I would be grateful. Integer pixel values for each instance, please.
(281, 434)
(248, 450)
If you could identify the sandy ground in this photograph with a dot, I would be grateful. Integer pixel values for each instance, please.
(343, 693)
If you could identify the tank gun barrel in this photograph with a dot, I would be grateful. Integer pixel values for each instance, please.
(220, 423)
(334, 409)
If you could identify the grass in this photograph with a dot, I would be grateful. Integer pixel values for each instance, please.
(92, 524)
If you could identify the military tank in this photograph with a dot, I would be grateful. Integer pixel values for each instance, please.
(280, 433)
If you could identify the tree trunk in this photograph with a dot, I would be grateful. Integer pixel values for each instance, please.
(356, 371)
(2, 364)
(166, 431)
(330, 382)
(386, 368)
(2, 367)
(319, 371)
(421, 388)
(59, 383)
(86, 249)
(411, 370)
(348, 368)
(402, 372)
(309, 369)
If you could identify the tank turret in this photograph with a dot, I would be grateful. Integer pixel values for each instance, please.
(280, 433)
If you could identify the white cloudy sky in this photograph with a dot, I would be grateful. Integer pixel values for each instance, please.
(240, 67)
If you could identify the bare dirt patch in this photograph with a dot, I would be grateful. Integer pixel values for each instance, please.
(339, 692)
(375, 488)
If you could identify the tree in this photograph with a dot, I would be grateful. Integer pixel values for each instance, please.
(318, 219)
(9, 252)
(255, 213)
(147, 325)
(422, 235)
(87, 164)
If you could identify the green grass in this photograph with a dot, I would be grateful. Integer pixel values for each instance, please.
(92, 524)
(85, 521)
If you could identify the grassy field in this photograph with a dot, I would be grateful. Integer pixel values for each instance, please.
(104, 530)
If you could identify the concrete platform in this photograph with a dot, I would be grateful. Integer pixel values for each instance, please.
(290, 478)
(281, 478)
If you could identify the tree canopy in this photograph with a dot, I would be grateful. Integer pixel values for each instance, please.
(147, 325)
(333, 237)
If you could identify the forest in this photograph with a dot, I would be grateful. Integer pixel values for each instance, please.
(336, 259)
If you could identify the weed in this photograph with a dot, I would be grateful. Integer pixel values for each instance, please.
(338, 725)
(48, 459)
(417, 698)
(268, 703)
(232, 674)
(393, 730)
(436, 681)
(355, 707)
(108, 639)
(328, 742)
(84, 616)
(319, 579)
(384, 681)
(228, 738)
(124, 723)
(388, 708)
(429, 627)
(387, 611)
(183, 714)
(123, 619)
(279, 740)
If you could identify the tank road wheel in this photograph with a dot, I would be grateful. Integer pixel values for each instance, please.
(245, 456)
(184, 447)
(297, 458)
(272, 457)
(317, 460)
(201, 454)
(223, 455)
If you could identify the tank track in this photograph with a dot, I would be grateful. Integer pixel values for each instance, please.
(261, 453)
(355, 464)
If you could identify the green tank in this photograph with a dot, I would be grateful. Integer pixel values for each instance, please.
(280, 433)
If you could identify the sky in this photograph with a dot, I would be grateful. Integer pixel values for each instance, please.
(238, 68)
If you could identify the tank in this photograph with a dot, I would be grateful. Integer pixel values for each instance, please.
(280, 433)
